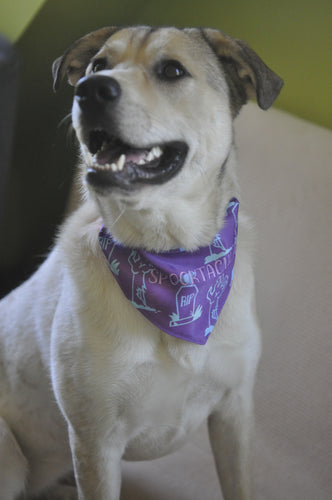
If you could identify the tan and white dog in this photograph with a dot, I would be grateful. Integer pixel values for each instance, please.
(85, 378)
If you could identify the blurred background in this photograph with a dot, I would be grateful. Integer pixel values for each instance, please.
(37, 149)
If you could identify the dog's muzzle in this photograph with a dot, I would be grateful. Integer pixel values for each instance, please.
(116, 163)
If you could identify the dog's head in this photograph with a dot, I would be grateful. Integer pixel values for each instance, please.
(153, 112)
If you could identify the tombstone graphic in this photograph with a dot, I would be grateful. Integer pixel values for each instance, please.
(139, 269)
(186, 310)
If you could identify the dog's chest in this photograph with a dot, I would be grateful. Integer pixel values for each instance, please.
(165, 404)
(155, 388)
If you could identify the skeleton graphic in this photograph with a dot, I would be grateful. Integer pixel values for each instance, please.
(213, 296)
(139, 269)
(114, 264)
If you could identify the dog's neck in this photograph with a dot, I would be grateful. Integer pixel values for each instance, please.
(189, 227)
(164, 219)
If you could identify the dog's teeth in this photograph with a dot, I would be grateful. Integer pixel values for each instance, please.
(104, 146)
(118, 166)
(156, 151)
(121, 161)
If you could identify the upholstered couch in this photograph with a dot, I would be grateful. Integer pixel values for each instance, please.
(285, 172)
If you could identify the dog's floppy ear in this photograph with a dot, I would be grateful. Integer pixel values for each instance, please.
(247, 75)
(75, 60)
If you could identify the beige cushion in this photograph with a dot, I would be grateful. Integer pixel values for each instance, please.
(285, 173)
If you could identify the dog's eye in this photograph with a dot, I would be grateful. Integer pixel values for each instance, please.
(171, 70)
(99, 65)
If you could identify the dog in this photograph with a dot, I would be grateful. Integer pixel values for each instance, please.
(92, 369)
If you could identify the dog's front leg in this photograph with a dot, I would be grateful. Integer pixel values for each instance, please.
(230, 429)
(97, 466)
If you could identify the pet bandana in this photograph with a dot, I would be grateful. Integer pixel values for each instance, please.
(180, 292)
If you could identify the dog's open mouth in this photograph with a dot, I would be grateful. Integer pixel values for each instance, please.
(116, 164)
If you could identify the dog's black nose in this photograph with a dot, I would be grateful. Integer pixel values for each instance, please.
(97, 91)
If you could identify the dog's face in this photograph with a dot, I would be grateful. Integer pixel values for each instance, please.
(144, 111)
(153, 108)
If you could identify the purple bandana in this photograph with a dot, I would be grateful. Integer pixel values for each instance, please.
(180, 292)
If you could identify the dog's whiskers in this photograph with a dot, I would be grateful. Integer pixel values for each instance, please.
(67, 121)
(117, 219)
(64, 120)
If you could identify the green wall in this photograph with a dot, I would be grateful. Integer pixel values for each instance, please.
(293, 36)
(15, 16)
